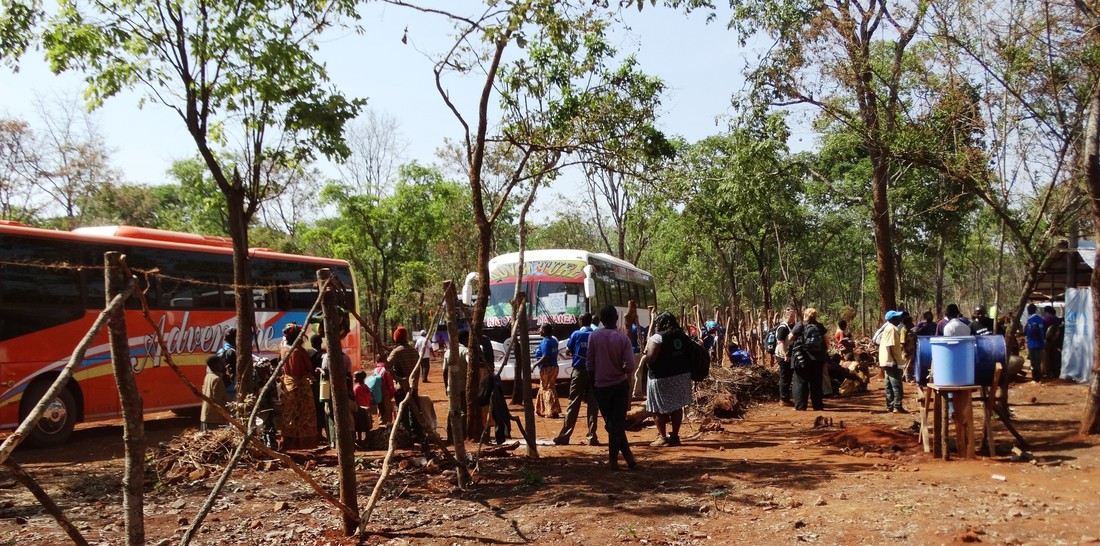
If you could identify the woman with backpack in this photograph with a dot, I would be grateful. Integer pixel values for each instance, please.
(808, 357)
(668, 390)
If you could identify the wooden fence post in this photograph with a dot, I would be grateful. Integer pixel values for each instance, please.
(339, 371)
(523, 374)
(456, 385)
(133, 435)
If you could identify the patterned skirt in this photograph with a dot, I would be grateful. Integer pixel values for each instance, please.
(547, 404)
(299, 414)
(668, 394)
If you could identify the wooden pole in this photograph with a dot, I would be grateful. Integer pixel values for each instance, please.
(339, 373)
(133, 432)
(523, 366)
(456, 386)
(51, 507)
(388, 459)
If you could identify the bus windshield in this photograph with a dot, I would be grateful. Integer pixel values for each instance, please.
(557, 302)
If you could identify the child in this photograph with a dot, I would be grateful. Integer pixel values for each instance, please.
(364, 398)
(214, 388)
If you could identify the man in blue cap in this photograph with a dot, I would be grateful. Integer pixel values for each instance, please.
(892, 361)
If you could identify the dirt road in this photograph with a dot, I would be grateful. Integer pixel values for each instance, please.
(772, 478)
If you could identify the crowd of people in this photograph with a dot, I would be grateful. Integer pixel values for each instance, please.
(612, 362)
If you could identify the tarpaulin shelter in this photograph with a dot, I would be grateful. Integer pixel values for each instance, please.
(1065, 277)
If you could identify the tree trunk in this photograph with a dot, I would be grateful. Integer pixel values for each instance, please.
(456, 386)
(342, 415)
(941, 266)
(476, 154)
(133, 435)
(243, 297)
(474, 426)
(1090, 421)
(884, 254)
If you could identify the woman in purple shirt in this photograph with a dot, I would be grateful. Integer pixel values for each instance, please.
(611, 362)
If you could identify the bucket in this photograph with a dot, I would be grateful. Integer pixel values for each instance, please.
(953, 360)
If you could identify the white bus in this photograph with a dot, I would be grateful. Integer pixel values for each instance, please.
(561, 284)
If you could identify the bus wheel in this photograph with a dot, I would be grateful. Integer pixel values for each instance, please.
(57, 423)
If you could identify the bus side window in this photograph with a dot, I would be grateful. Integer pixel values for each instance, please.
(602, 292)
(282, 298)
(616, 294)
(632, 292)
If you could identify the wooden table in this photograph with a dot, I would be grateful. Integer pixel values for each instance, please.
(960, 397)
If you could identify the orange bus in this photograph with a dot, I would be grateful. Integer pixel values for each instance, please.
(51, 291)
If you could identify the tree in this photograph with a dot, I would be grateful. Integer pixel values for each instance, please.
(742, 192)
(240, 76)
(561, 96)
(1027, 58)
(386, 237)
(72, 160)
(18, 170)
(574, 226)
(1089, 13)
(824, 57)
(376, 149)
(121, 204)
(623, 180)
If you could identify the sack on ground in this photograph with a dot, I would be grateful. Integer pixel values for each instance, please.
(427, 409)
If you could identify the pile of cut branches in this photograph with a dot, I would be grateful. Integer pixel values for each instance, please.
(194, 455)
(730, 392)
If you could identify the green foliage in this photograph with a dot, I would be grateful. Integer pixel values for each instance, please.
(393, 241)
(531, 477)
(193, 204)
(17, 21)
(121, 204)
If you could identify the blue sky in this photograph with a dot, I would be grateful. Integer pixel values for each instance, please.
(700, 63)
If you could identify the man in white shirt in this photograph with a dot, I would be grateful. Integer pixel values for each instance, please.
(424, 349)
(956, 327)
(786, 374)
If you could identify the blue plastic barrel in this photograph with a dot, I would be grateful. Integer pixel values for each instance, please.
(923, 359)
(990, 351)
(953, 359)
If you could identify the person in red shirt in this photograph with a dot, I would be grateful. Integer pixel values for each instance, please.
(364, 398)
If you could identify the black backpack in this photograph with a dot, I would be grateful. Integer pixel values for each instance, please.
(807, 346)
(771, 340)
(700, 362)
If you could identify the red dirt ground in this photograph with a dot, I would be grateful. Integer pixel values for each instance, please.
(772, 478)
